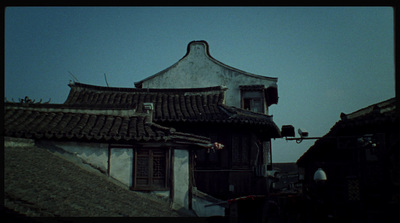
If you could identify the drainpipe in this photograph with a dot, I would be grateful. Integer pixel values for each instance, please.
(148, 109)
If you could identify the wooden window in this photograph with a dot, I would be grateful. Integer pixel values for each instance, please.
(253, 101)
(151, 169)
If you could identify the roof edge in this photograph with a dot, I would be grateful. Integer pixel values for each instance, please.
(383, 105)
(145, 90)
(76, 110)
(138, 84)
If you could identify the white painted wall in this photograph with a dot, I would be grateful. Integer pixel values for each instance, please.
(197, 69)
(121, 159)
(94, 153)
(181, 179)
(121, 165)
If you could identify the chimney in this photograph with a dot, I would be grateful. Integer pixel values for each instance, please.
(148, 109)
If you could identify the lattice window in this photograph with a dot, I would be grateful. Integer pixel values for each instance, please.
(159, 167)
(151, 171)
(142, 166)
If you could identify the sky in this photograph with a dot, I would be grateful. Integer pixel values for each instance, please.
(327, 60)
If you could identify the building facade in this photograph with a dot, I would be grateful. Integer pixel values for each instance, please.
(198, 69)
(360, 156)
(121, 143)
(241, 168)
(168, 148)
(236, 170)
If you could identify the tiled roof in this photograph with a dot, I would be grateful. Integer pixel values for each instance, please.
(42, 184)
(172, 105)
(58, 122)
(382, 111)
(380, 117)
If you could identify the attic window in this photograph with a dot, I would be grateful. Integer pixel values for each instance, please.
(252, 98)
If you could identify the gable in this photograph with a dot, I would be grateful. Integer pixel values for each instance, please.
(199, 66)
(199, 69)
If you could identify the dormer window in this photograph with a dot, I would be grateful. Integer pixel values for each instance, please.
(252, 98)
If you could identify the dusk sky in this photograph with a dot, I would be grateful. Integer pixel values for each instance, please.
(327, 60)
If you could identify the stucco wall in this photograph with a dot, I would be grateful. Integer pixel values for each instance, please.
(121, 165)
(94, 153)
(181, 179)
(197, 69)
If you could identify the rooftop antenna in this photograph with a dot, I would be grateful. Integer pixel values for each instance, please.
(73, 77)
(105, 77)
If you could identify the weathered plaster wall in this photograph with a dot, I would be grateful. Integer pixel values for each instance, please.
(197, 69)
(94, 153)
(181, 179)
(121, 165)
(121, 159)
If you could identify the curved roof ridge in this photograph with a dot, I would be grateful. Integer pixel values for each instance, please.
(227, 66)
(207, 53)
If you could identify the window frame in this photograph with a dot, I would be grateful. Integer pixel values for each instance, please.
(250, 94)
(150, 186)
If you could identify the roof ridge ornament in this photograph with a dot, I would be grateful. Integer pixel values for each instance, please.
(198, 42)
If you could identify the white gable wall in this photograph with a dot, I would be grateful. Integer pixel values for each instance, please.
(197, 69)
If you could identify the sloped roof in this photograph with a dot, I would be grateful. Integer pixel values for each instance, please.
(59, 122)
(172, 105)
(373, 113)
(377, 117)
(207, 53)
(42, 184)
